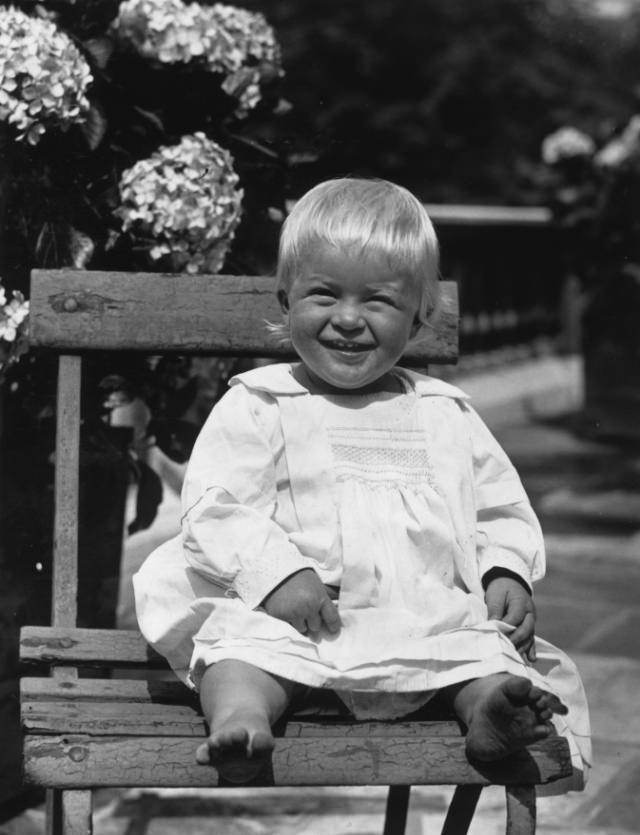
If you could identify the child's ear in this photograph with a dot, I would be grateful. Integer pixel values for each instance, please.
(283, 300)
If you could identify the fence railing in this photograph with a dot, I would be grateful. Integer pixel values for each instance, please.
(459, 214)
(509, 268)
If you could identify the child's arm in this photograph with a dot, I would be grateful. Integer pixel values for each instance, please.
(229, 498)
(510, 546)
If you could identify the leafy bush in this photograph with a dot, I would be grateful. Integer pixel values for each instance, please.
(136, 136)
(89, 91)
(593, 186)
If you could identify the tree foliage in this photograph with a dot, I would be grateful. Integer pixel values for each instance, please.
(452, 99)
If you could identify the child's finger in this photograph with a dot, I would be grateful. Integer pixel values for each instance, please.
(299, 624)
(330, 616)
(516, 612)
(524, 630)
(527, 651)
(314, 622)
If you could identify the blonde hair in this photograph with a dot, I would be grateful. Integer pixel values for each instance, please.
(375, 216)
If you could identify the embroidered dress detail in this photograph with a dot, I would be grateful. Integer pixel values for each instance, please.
(381, 457)
(378, 441)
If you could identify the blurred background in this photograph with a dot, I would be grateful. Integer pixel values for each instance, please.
(516, 121)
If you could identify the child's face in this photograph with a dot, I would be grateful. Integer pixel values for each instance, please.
(350, 318)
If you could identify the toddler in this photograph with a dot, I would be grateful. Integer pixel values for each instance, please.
(352, 525)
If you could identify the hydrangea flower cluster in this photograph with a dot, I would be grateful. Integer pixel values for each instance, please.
(594, 191)
(566, 143)
(185, 201)
(43, 76)
(569, 143)
(624, 148)
(228, 40)
(13, 328)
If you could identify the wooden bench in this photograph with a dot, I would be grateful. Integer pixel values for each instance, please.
(85, 732)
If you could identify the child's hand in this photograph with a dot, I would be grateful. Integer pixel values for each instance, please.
(510, 602)
(303, 601)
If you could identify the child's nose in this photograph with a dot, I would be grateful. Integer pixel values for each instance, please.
(347, 315)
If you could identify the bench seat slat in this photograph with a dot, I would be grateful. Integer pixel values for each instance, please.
(82, 761)
(109, 718)
(99, 689)
(81, 310)
(86, 647)
(112, 719)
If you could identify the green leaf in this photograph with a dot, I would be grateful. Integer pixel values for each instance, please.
(81, 248)
(282, 107)
(100, 50)
(150, 117)
(95, 127)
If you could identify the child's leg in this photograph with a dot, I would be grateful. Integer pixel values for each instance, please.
(240, 703)
(503, 713)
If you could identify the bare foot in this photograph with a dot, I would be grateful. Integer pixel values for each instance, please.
(238, 747)
(509, 713)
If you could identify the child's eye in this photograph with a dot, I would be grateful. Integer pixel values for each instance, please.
(321, 291)
(383, 299)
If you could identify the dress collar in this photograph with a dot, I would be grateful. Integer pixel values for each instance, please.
(278, 380)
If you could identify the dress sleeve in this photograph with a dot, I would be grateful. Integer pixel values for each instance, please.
(507, 529)
(229, 499)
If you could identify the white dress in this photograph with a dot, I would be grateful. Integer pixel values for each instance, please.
(403, 501)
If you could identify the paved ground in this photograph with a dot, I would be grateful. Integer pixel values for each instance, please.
(588, 497)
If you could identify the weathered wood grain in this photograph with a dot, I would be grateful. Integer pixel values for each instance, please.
(92, 310)
(76, 812)
(65, 526)
(112, 718)
(86, 647)
(34, 689)
(79, 761)
(115, 718)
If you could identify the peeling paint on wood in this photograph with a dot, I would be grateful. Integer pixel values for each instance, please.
(170, 761)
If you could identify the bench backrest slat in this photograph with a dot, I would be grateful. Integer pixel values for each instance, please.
(78, 310)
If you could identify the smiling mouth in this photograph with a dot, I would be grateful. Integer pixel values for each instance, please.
(347, 347)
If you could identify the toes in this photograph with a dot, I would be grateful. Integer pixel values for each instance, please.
(518, 690)
(234, 738)
(541, 732)
(556, 706)
(225, 743)
(545, 703)
(261, 745)
(548, 701)
(537, 695)
(203, 756)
